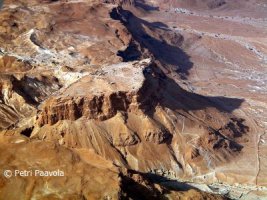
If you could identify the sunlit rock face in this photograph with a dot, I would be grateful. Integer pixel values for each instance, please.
(128, 98)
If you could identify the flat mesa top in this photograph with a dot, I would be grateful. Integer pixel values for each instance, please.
(127, 77)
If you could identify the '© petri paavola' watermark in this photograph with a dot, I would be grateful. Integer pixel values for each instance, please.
(36, 172)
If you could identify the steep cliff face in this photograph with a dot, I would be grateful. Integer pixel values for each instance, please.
(21, 91)
(99, 95)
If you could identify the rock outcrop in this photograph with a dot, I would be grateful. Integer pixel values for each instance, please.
(99, 95)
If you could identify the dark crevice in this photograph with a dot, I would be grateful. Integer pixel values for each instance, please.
(131, 53)
(27, 132)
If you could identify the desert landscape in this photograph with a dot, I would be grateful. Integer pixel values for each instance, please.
(133, 99)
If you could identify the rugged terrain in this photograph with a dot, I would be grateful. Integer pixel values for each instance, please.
(134, 99)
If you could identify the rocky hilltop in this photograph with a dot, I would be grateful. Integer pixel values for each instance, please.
(102, 91)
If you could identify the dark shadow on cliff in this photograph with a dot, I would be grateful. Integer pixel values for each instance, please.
(137, 185)
(149, 186)
(156, 37)
(153, 36)
(168, 183)
(161, 89)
